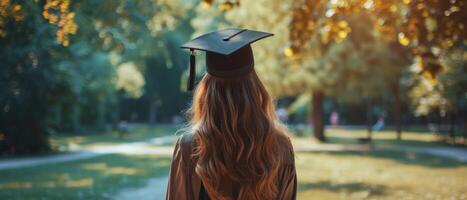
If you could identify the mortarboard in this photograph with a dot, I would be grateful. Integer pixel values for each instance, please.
(228, 52)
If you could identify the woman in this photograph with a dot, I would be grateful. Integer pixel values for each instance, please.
(235, 148)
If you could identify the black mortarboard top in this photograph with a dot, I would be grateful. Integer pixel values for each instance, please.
(228, 52)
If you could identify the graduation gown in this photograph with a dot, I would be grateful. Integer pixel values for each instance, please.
(184, 183)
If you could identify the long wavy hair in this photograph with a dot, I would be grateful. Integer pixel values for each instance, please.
(238, 138)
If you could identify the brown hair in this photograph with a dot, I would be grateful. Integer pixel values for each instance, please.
(238, 138)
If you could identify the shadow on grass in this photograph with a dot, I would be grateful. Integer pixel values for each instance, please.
(373, 189)
(407, 158)
(345, 135)
(380, 141)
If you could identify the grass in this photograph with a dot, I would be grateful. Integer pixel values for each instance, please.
(385, 137)
(321, 175)
(379, 175)
(97, 178)
(63, 142)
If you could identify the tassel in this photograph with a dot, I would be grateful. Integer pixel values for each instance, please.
(191, 79)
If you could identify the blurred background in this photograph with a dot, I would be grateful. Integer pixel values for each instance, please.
(93, 93)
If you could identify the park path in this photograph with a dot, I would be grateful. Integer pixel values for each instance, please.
(154, 189)
(151, 147)
(79, 153)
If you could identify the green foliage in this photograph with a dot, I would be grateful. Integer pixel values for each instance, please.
(26, 55)
(64, 64)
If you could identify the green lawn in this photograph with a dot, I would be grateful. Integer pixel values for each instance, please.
(321, 175)
(63, 142)
(379, 175)
(96, 178)
(385, 137)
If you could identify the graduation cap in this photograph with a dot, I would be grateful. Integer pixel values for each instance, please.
(228, 52)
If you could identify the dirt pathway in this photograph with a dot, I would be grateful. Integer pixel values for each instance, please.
(154, 189)
(79, 153)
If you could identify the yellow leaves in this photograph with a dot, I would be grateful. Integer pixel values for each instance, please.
(130, 79)
(343, 24)
(205, 5)
(406, 1)
(225, 6)
(17, 8)
(447, 43)
(403, 40)
(57, 12)
(420, 6)
(393, 8)
(430, 24)
(51, 17)
(334, 31)
(311, 25)
(341, 30)
(288, 52)
(222, 6)
(9, 10)
(342, 34)
(430, 77)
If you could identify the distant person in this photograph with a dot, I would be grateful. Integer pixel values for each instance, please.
(234, 148)
(282, 114)
(123, 129)
(334, 119)
(379, 124)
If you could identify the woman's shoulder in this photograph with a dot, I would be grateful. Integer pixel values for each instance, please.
(186, 138)
(185, 146)
(284, 144)
(185, 141)
(282, 136)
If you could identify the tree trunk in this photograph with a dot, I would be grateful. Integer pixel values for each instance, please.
(101, 118)
(451, 125)
(368, 119)
(397, 110)
(318, 115)
(152, 112)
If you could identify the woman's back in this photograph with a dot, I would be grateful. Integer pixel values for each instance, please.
(235, 148)
(185, 184)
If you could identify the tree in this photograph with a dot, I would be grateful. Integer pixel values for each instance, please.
(62, 58)
(421, 26)
(24, 77)
(333, 68)
(444, 95)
